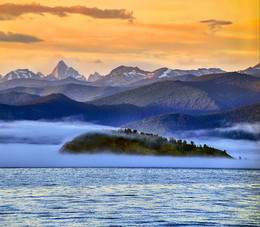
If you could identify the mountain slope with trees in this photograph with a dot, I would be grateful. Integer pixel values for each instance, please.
(169, 123)
(210, 93)
(13, 98)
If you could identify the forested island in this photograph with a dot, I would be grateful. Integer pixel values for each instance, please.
(133, 143)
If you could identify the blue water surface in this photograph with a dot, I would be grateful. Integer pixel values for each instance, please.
(129, 197)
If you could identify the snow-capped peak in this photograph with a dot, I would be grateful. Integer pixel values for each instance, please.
(21, 74)
(165, 73)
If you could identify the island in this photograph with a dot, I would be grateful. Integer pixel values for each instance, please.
(133, 143)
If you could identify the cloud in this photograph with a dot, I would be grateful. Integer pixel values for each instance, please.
(216, 25)
(12, 11)
(18, 38)
(98, 61)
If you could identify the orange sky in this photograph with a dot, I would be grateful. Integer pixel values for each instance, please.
(170, 33)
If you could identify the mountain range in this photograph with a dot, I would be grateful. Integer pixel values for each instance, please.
(204, 94)
(59, 107)
(133, 76)
(139, 94)
(60, 72)
(120, 76)
(21, 74)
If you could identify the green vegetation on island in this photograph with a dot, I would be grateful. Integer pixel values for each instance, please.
(134, 143)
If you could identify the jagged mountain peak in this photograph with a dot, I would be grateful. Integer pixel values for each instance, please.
(62, 71)
(94, 77)
(61, 63)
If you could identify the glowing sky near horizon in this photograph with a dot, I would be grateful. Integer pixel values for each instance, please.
(101, 35)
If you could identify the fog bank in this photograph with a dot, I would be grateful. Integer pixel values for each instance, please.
(37, 144)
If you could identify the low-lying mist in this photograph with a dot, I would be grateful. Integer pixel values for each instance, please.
(239, 140)
(37, 144)
(242, 131)
(41, 132)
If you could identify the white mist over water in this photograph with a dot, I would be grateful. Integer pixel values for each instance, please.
(246, 149)
(37, 144)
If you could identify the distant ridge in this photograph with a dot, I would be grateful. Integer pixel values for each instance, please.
(59, 107)
(133, 76)
(81, 92)
(14, 98)
(57, 98)
(30, 83)
(170, 123)
(211, 93)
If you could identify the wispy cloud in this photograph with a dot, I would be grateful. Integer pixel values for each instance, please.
(216, 25)
(12, 11)
(18, 38)
(98, 61)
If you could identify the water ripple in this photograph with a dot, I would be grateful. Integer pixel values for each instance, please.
(127, 197)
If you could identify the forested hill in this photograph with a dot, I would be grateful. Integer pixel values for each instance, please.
(132, 143)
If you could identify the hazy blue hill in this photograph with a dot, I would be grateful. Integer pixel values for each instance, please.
(235, 79)
(210, 93)
(21, 82)
(229, 90)
(60, 107)
(37, 83)
(174, 95)
(78, 92)
(13, 98)
(175, 121)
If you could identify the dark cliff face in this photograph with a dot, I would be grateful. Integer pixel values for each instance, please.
(132, 143)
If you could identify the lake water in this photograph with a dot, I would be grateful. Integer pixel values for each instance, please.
(129, 197)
